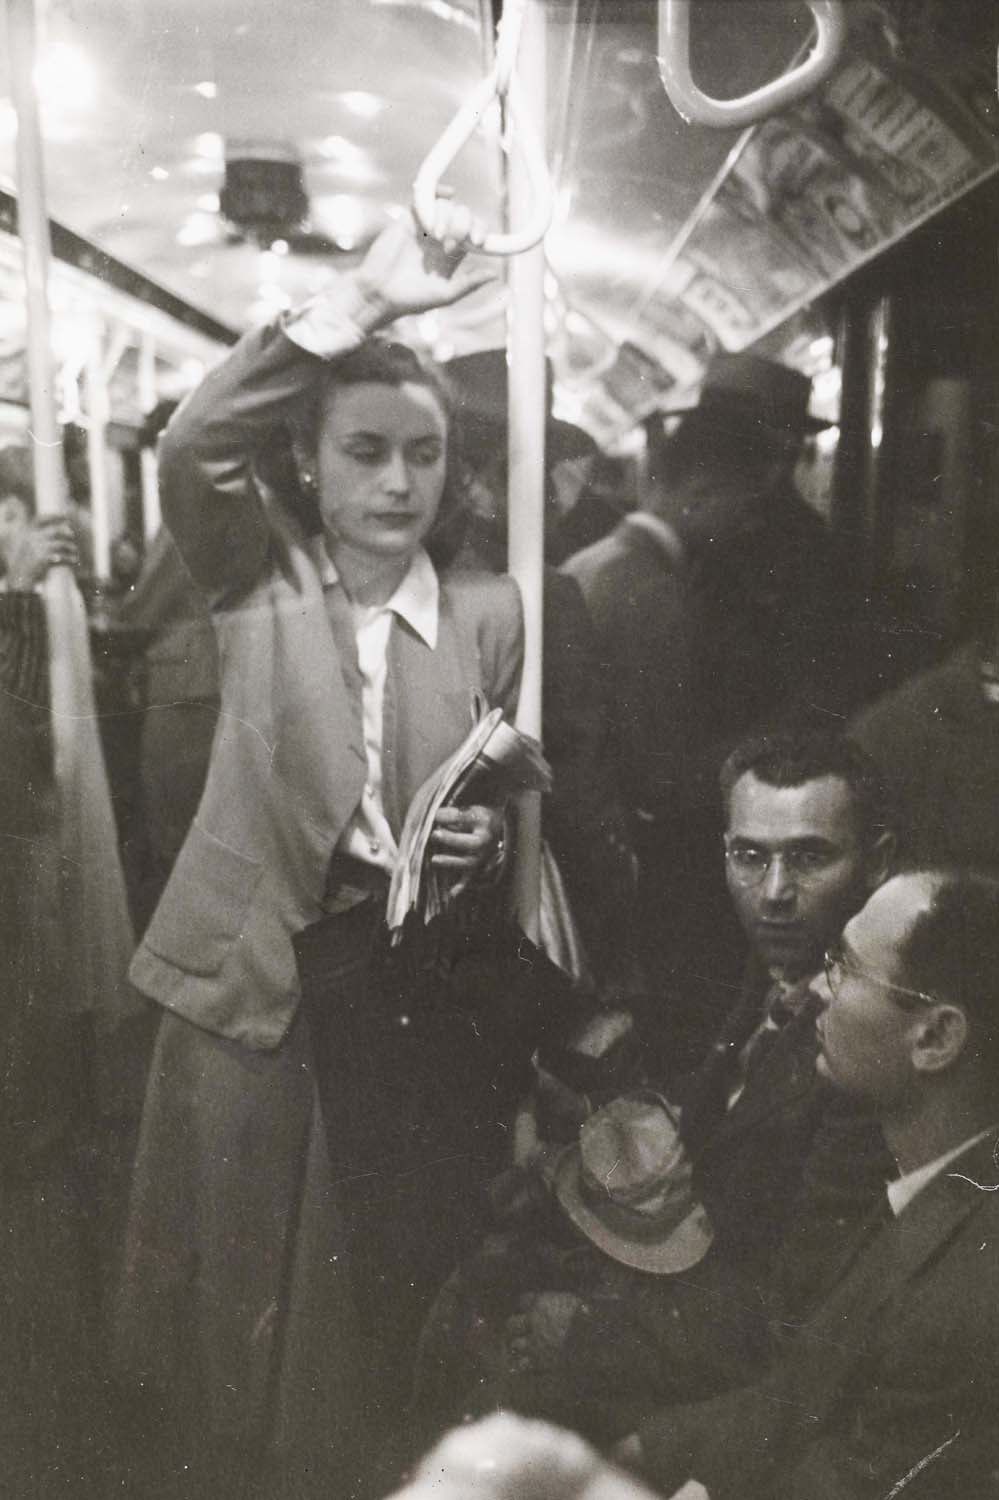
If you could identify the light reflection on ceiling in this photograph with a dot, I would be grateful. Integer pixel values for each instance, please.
(668, 240)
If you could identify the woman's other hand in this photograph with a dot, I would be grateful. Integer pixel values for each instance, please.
(467, 842)
(46, 543)
(408, 271)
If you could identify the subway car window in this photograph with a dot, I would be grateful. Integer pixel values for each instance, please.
(499, 749)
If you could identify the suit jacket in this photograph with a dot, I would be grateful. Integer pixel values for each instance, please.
(706, 649)
(896, 1377)
(288, 766)
(792, 1156)
(181, 658)
(637, 599)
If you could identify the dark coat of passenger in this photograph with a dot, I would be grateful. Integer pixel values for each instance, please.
(892, 1387)
(936, 740)
(787, 1176)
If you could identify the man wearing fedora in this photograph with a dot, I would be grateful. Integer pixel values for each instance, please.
(717, 608)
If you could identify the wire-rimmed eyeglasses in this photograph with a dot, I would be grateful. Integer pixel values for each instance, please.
(802, 863)
(837, 966)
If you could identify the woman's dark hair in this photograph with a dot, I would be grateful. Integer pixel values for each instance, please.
(379, 361)
(17, 476)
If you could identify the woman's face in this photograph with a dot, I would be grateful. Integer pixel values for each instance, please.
(381, 459)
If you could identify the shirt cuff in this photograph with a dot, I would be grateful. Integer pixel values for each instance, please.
(333, 322)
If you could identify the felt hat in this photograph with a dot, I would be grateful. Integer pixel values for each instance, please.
(761, 390)
(626, 1185)
(480, 382)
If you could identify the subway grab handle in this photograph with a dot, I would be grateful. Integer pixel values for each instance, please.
(698, 108)
(500, 84)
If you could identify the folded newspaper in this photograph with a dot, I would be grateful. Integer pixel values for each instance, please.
(493, 762)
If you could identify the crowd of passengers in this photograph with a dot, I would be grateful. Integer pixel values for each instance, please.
(705, 1176)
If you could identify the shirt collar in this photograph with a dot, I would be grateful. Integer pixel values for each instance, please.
(902, 1191)
(416, 600)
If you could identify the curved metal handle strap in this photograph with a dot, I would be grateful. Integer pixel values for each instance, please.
(457, 134)
(725, 114)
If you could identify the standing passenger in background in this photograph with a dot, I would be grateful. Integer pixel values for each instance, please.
(272, 1309)
(718, 611)
(180, 696)
(585, 823)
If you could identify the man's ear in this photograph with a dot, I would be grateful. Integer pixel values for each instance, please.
(940, 1038)
(880, 858)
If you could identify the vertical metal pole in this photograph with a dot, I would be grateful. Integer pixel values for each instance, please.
(151, 515)
(50, 482)
(526, 354)
(34, 232)
(94, 911)
(98, 411)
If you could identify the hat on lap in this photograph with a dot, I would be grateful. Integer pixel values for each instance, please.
(627, 1186)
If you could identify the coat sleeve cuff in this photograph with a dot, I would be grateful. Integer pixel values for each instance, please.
(335, 321)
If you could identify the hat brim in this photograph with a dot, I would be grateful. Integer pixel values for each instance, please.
(662, 1249)
(810, 426)
(563, 440)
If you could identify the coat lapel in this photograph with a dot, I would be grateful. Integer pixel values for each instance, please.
(427, 708)
(783, 1074)
(842, 1332)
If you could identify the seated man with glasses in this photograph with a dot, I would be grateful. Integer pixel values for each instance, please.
(784, 1165)
(891, 1385)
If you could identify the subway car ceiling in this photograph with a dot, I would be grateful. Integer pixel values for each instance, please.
(213, 165)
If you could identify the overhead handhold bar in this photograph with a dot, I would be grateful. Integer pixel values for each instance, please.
(500, 84)
(698, 108)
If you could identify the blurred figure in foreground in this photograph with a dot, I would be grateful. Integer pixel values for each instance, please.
(507, 1458)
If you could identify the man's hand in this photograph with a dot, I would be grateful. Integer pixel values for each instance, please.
(536, 1335)
(46, 543)
(408, 271)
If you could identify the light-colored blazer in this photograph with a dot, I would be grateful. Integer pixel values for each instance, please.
(288, 765)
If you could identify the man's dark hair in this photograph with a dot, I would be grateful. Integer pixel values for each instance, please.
(790, 758)
(952, 953)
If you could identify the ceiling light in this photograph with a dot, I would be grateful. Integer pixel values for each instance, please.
(197, 229)
(279, 247)
(65, 78)
(338, 148)
(159, 173)
(362, 104)
(344, 218)
(206, 89)
(210, 145)
(208, 203)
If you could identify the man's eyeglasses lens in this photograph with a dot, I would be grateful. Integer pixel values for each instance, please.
(836, 969)
(749, 864)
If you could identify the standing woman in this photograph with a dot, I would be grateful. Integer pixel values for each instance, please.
(348, 666)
